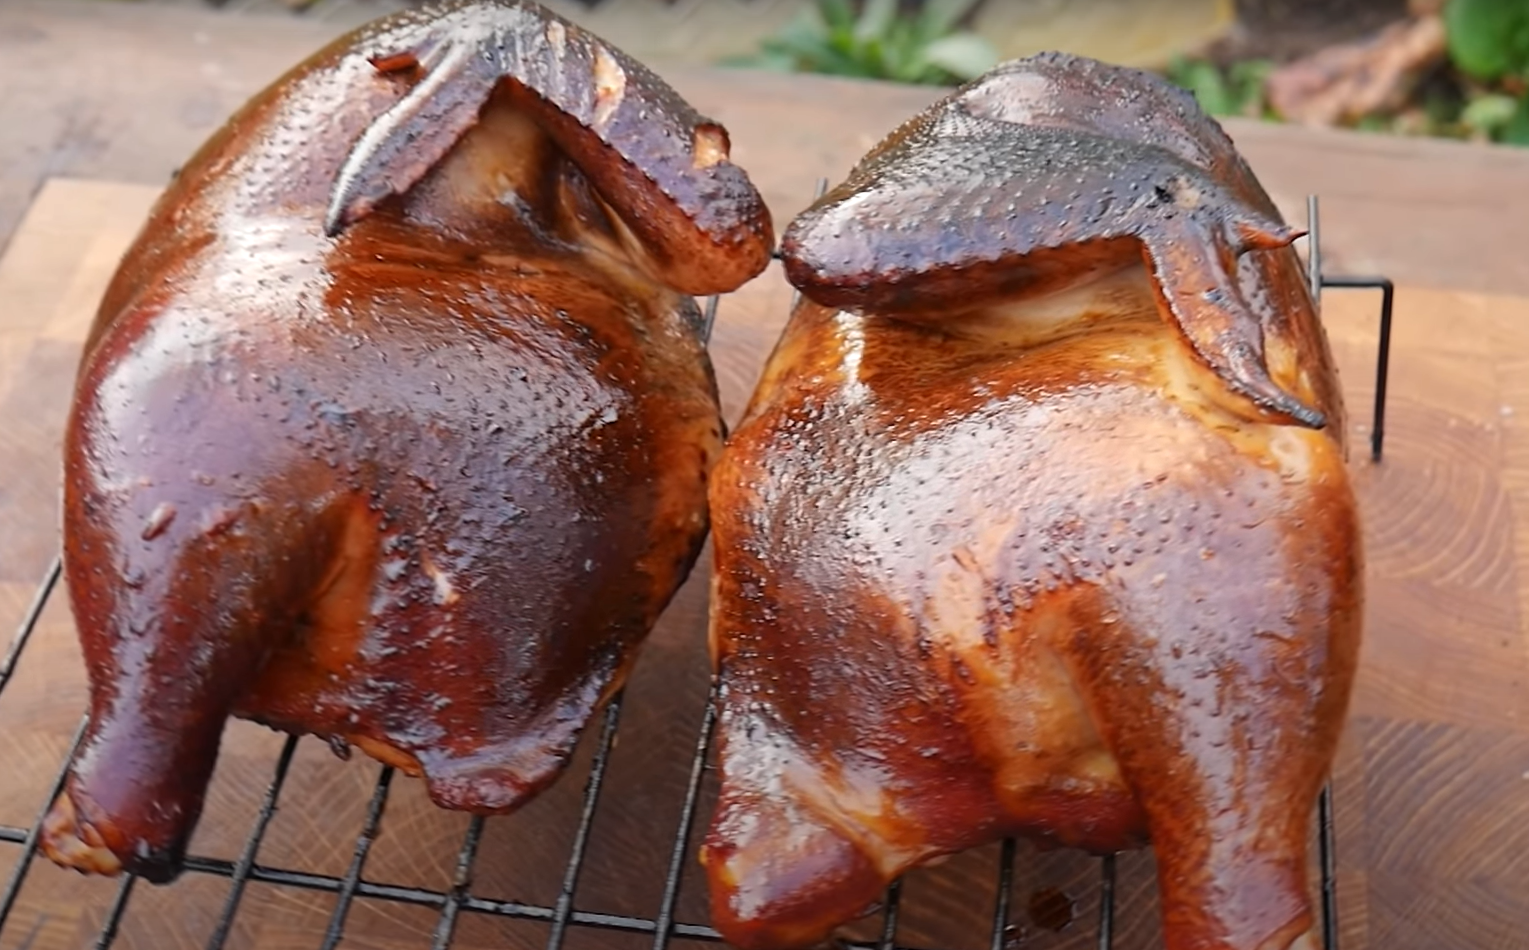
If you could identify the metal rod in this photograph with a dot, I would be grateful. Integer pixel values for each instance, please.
(452, 902)
(709, 317)
(29, 844)
(1387, 298)
(564, 906)
(664, 923)
(109, 929)
(1314, 251)
(1382, 352)
(29, 622)
(818, 192)
(34, 933)
(1107, 902)
(1005, 895)
(1382, 368)
(1328, 850)
(364, 841)
(889, 911)
(424, 897)
(822, 188)
(246, 862)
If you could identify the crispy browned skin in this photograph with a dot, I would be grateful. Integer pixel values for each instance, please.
(999, 552)
(395, 423)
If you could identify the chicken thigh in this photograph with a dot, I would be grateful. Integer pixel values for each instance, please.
(1038, 522)
(395, 422)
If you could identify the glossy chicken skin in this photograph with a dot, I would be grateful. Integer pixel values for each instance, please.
(395, 423)
(1004, 545)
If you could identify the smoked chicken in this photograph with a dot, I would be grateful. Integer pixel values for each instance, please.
(394, 425)
(1038, 522)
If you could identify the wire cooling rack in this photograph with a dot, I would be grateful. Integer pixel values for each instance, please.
(561, 914)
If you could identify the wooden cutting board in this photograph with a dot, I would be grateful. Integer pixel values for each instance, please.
(1432, 785)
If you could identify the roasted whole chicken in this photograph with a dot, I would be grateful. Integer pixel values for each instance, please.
(395, 423)
(1038, 523)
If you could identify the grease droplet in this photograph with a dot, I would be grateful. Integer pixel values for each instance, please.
(159, 520)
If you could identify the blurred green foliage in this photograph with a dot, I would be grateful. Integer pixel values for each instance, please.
(1237, 89)
(1488, 39)
(1482, 91)
(1489, 48)
(879, 41)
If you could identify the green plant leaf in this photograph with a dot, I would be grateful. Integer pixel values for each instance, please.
(806, 30)
(898, 55)
(1488, 39)
(1489, 113)
(880, 43)
(774, 62)
(836, 14)
(1516, 131)
(875, 20)
(938, 17)
(802, 48)
(813, 55)
(963, 55)
(1246, 80)
(1251, 72)
(1205, 81)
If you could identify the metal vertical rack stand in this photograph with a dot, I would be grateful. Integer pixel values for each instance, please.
(561, 913)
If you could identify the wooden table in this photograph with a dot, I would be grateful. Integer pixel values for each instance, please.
(99, 103)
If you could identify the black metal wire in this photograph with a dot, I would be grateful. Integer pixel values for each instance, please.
(246, 861)
(114, 914)
(461, 882)
(709, 316)
(1327, 844)
(29, 622)
(818, 192)
(1382, 350)
(889, 910)
(1327, 849)
(664, 923)
(29, 841)
(1314, 249)
(246, 858)
(1005, 895)
(564, 906)
(562, 914)
(32, 935)
(1387, 289)
(1106, 902)
(336, 929)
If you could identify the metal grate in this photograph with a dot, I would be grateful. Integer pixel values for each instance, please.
(562, 915)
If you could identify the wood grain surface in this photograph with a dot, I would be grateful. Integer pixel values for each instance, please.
(1433, 780)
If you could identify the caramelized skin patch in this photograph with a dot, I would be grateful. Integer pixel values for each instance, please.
(994, 558)
(359, 481)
